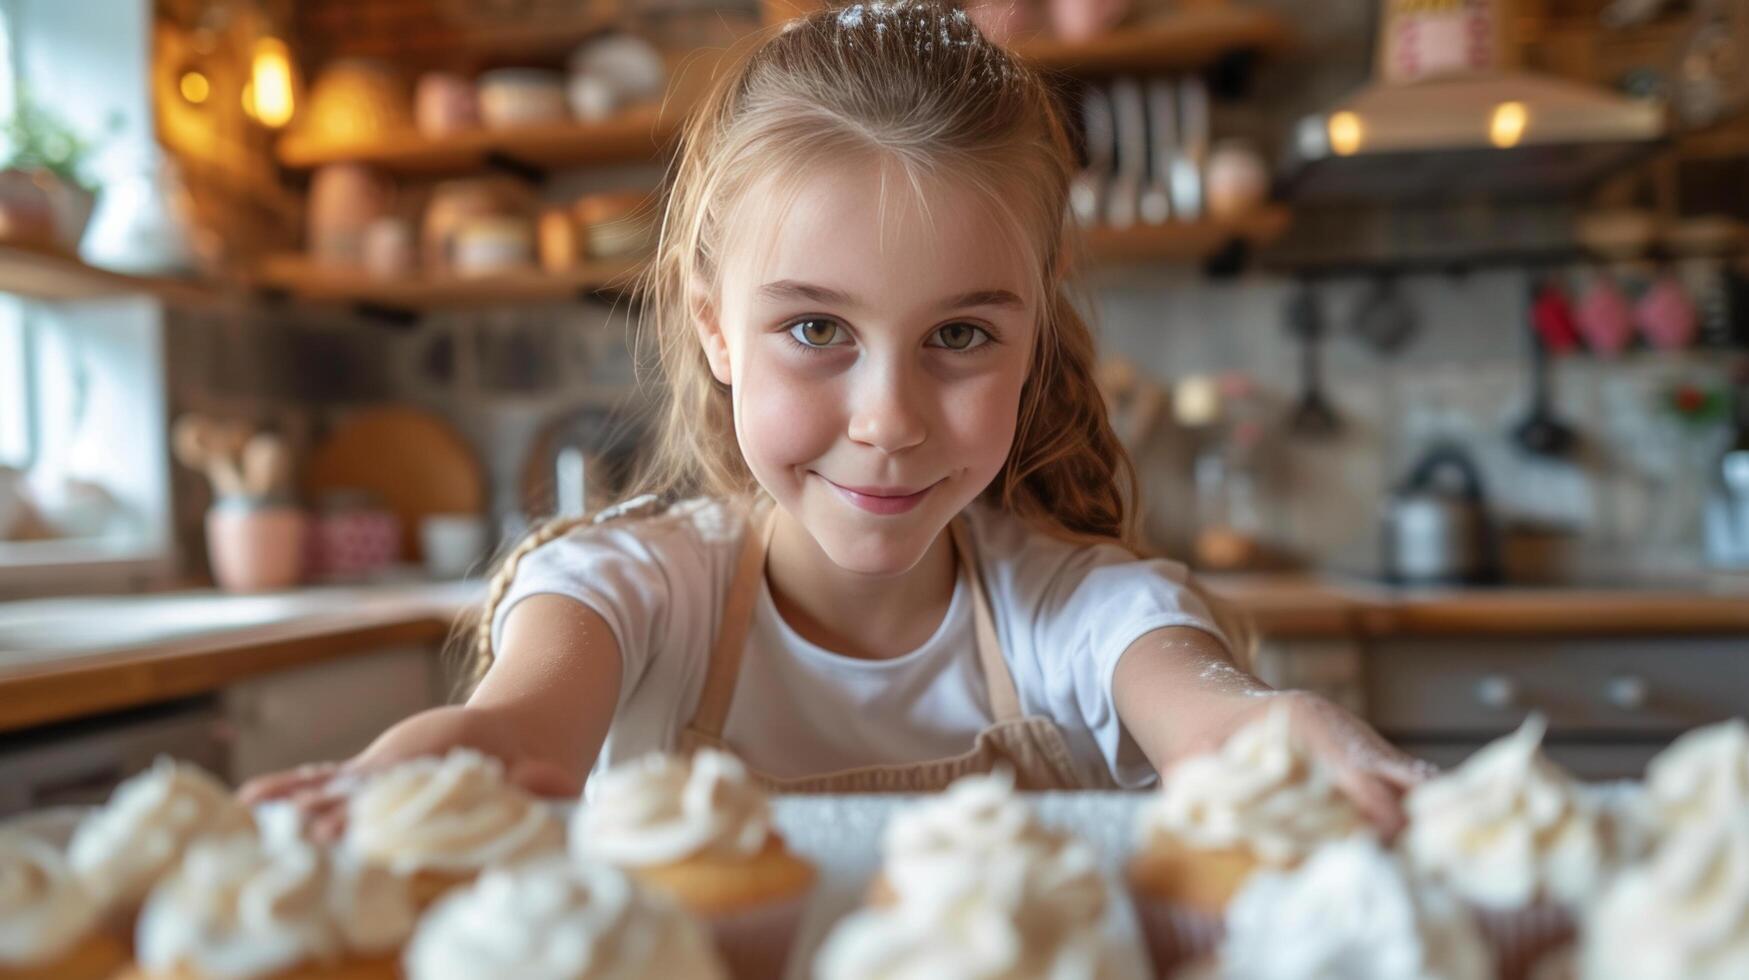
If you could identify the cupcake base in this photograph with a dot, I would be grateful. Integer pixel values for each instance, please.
(755, 943)
(1522, 938)
(1180, 896)
(97, 958)
(364, 968)
(1175, 935)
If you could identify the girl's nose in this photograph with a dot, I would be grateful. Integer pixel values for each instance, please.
(885, 415)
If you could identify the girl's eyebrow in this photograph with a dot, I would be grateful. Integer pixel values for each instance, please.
(791, 289)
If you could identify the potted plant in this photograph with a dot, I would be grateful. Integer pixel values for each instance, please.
(45, 198)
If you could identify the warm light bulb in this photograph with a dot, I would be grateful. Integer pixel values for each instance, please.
(268, 96)
(194, 87)
(1346, 133)
(1507, 126)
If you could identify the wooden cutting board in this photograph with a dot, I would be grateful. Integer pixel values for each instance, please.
(414, 461)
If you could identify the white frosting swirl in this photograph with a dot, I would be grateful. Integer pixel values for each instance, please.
(555, 919)
(955, 834)
(1683, 915)
(1003, 922)
(661, 809)
(123, 848)
(1508, 828)
(44, 909)
(1349, 912)
(1700, 778)
(1259, 791)
(239, 907)
(453, 814)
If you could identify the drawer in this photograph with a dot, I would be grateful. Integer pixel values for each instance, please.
(1637, 686)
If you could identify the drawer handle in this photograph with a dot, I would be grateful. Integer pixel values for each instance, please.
(1628, 692)
(1497, 692)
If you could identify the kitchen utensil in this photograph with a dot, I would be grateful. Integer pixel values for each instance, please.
(1087, 192)
(513, 97)
(1237, 182)
(453, 543)
(388, 248)
(255, 547)
(267, 465)
(1542, 433)
(345, 200)
(1124, 194)
(631, 67)
(1666, 314)
(590, 97)
(1186, 169)
(582, 458)
(556, 235)
(1436, 524)
(1603, 317)
(491, 244)
(212, 449)
(1156, 201)
(454, 202)
(1553, 319)
(1383, 319)
(412, 460)
(1313, 416)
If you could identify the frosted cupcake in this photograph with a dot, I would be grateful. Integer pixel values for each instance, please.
(1259, 802)
(240, 908)
(1702, 777)
(1683, 915)
(699, 830)
(1516, 837)
(51, 925)
(1003, 916)
(1350, 912)
(974, 818)
(554, 919)
(440, 821)
(121, 849)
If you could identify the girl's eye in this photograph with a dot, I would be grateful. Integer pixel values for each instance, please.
(962, 336)
(815, 333)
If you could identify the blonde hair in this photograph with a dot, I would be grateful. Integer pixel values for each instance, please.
(911, 84)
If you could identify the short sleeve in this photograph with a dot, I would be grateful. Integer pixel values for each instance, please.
(615, 569)
(1100, 601)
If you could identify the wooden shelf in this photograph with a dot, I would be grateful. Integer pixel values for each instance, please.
(1192, 39)
(305, 282)
(1183, 241)
(42, 274)
(636, 134)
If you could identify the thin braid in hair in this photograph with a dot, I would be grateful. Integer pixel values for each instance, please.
(479, 653)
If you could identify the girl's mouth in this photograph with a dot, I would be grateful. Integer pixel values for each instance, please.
(883, 500)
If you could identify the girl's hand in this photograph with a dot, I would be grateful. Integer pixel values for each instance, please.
(320, 790)
(1370, 771)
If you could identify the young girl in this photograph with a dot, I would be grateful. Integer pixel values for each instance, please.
(911, 552)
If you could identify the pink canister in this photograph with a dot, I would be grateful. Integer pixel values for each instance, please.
(255, 547)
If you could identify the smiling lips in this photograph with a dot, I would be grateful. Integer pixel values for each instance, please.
(884, 500)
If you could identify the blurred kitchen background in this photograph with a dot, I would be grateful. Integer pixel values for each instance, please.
(1427, 324)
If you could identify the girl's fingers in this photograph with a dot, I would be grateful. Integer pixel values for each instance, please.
(1375, 800)
(545, 779)
(1406, 771)
(281, 785)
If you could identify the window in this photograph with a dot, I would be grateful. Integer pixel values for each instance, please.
(16, 449)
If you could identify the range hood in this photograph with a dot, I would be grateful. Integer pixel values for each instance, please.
(1495, 133)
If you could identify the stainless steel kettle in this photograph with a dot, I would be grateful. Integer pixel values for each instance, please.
(1436, 528)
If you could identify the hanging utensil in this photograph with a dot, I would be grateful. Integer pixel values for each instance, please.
(1313, 416)
(1193, 134)
(1542, 433)
(1383, 319)
(1132, 153)
(1087, 191)
(1156, 205)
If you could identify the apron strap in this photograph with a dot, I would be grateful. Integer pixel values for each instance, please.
(1004, 699)
(725, 663)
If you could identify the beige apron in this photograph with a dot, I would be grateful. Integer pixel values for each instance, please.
(1031, 745)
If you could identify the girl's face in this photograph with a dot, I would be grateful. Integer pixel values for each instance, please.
(876, 356)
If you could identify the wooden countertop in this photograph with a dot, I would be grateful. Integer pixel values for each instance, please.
(82, 678)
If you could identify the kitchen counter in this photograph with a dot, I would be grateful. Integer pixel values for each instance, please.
(74, 657)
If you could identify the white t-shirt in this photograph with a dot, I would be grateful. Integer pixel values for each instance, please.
(1064, 613)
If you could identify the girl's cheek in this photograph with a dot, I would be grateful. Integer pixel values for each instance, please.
(786, 417)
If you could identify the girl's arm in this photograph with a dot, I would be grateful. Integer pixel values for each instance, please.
(1178, 694)
(543, 708)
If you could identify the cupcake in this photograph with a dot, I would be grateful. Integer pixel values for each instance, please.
(1259, 802)
(440, 821)
(1701, 776)
(51, 925)
(1003, 915)
(1515, 837)
(699, 830)
(1682, 915)
(975, 818)
(240, 907)
(553, 919)
(121, 849)
(1349, 912)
